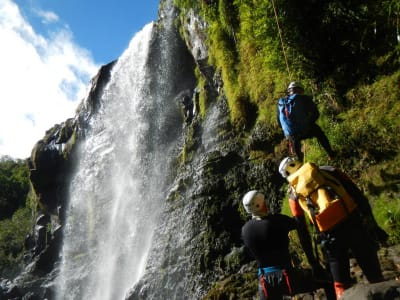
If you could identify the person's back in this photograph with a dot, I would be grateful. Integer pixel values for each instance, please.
(297, 116)
(297, 113)
(267, 239)
(348, 234)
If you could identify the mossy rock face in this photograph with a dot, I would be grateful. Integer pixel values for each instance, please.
(46, 160)
(242, 285)
(48, 163)
(264, 138)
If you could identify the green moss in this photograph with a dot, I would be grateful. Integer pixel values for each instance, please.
(203, 96)
(238, 286)
(387, 214)
(70, 145)
(190, 145)
(351, 72)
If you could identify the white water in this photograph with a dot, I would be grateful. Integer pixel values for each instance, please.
(115, 193)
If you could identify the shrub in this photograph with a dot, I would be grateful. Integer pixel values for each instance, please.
(12, 236)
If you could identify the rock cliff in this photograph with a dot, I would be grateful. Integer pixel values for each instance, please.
(197, 252)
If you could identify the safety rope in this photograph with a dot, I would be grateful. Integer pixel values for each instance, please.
(280, 36)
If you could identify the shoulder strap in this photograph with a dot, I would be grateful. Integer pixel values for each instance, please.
(283, 101)
(313, 211)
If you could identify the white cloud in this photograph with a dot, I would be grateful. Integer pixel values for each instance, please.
(42, 81)
(47, 16)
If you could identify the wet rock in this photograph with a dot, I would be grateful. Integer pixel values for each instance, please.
(388, 290)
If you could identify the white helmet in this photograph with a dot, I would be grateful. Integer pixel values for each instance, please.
(294, 84)
(289, 165)
(254, 202)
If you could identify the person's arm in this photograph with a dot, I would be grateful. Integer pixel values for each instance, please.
(312, 108)
(278, 114)
(363, 205)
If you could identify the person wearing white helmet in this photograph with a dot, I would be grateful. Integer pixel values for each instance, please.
(295, 87)
(289, 165)
(297, 116)
(349, 234)
(255, 204)
(266, 238)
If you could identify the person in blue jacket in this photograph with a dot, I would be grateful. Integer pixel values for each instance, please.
(297, 116)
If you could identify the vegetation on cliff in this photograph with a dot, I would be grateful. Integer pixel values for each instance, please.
(346, 53)
(15, 214)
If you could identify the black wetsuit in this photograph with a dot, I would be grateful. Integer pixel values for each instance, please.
(351, 234)
(267, 240)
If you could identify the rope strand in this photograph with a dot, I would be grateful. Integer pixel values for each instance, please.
(280, 36)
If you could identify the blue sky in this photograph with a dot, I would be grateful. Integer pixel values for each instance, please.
(50, 50)
(104, 27)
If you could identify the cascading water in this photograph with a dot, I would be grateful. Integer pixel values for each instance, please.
(108, 230)
(119, 186)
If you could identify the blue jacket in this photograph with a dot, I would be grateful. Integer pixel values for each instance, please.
(296, 114)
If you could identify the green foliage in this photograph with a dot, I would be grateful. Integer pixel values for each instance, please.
(15, 214)
(387, 214)
(223, 55)
(12, 236)
(14, 185)
(338, 42)
(203, 97)
(367, 130)
(346, 54)
(186, 4)
(188, 148)
(228, 17)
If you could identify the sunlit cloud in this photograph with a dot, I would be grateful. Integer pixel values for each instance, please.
(47, 16)
(43, 79)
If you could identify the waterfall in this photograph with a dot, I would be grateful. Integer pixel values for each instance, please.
(117, 191)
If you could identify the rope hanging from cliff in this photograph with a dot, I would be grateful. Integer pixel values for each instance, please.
(280, 36)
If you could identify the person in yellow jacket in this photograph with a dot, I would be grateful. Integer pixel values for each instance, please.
(348, 234)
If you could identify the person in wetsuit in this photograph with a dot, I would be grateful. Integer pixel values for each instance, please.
(358, 233)
(266, 238)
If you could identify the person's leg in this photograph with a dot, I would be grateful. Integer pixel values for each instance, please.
(263, 293)
(338, 259)
(365, 253)
(328, 286)
(268, 292)
(317, 132)
(296, 142)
